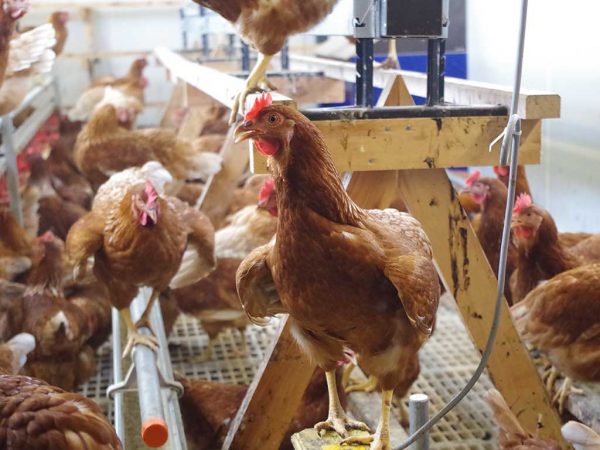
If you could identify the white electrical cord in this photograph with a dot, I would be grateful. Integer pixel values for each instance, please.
(512, 135)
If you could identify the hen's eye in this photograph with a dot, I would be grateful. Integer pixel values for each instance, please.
(272, 118)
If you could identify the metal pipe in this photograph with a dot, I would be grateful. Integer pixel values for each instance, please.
(281, 73)
(245, 57)
(418, 413)
(154, 428)
(364, 72)
(117, 374)
(204, 36)
(397, 112)
(12, 172)
(285, 57)
(435, 70)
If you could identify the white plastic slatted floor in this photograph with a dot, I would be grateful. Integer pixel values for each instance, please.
(447, 361)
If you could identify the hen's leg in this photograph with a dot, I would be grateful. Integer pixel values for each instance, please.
(381, 439)
(391, 61)
(563, 393)
(253, 83)
(243, 349)
(550, 377)
(346, 374)
(133, 335)
(369, 385)
(144, 320)
(337, 420)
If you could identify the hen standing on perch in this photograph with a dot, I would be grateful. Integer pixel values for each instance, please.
(266, 25)
(138, 237)
(349, 278)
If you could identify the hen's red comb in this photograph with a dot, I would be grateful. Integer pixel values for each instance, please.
(473, 178)
(523, 201)
(48, 236)
(266, 189)
(151, 194)
(261, 102)
(501, 171)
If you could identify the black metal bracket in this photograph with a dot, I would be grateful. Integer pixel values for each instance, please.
(436, 70)
(245, 57)
(405, 112)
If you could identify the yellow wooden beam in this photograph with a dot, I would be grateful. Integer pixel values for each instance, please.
(417, 143)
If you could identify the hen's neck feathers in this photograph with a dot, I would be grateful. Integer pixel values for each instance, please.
(309, 179)
(47, 273)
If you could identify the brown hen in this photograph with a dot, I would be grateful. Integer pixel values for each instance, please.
(103, 148)
(562, 319)
(35, 415)
(131, 227)
(10, 12)
(349, 278)
(255, 22)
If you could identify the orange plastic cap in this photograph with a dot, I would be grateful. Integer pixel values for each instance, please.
(155, 432)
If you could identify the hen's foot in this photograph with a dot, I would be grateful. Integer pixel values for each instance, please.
(391, 62)
(369, 385)
(550, 377)
(374, 441)
(144, 322)
(341, 424)
(135, 338)
(563, 393)
(257, 80)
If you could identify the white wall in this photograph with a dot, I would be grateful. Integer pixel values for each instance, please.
(562, 55)
(136, 29)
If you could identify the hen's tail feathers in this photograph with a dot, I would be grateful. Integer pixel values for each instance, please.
(510, 428)
(581, 436)
(193, 268)
(20, 346)
(203, 165)
(32, 49)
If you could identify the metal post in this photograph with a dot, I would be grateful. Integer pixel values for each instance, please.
(204, 36)
(245, 57)
(231, 45)
(184, 38)
(364, 72)
(418, 413)
(436, 65)
(12, 172)
(285, 57)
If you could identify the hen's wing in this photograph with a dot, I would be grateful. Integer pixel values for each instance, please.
(256, 287)
(43, 416)
(408, 265)
(588, 249)
(85, 238)
(199, 258)
(564, 310)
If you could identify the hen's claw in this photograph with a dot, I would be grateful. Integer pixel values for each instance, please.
(563, 393)
(139, 339)
(341, 425)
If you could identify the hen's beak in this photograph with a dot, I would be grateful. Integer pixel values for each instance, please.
(245, 131)
(514, 223)
(152, 214)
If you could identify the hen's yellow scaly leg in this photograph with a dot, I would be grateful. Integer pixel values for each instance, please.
(369, 385)
(133, 335)
(391, 62)
(144, 320)
(337, 420)
(381, 439)
(255, 79)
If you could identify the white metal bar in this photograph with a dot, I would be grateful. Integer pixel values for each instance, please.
(117, 374)
(418, 413)
(12, 173)
(220, 86)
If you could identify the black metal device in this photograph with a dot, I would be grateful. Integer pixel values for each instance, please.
(414, 18)
(285, 57)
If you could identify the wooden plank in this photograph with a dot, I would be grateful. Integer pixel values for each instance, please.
(430, 197)
(417, 143)
(220, 86)
(220, 189)
(532, 104)
(273, 397)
